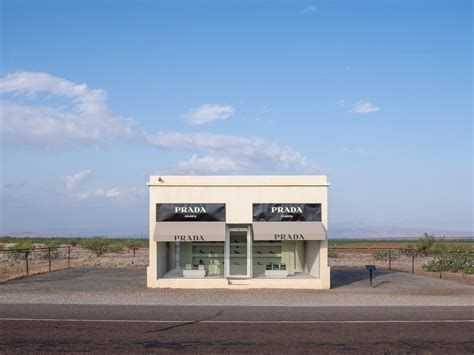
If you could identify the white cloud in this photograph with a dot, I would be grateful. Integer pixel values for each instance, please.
(73, 180)
(208, 113)
(364, 107)
(44, 110)
(98, 193)
(209, 164)
(231, 153)
(309, 9)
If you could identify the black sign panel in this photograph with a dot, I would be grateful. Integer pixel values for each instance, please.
(190, 212)
(286, 212)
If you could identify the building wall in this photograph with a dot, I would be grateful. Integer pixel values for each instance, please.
(239, 193)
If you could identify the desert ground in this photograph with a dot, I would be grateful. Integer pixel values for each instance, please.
(341, 254)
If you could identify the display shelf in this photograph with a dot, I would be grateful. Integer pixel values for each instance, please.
(255, 255)
(208, 255)
(194, 273)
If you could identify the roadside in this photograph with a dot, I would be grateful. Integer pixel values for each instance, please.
(127, 286)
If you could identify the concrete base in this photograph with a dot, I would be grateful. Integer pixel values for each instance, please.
(276, 273)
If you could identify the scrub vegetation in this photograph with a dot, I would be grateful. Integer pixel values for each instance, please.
(99, 245)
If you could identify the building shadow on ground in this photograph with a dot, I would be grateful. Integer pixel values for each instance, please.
(345, 276)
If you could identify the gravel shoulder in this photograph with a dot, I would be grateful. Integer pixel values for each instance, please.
(127, 286)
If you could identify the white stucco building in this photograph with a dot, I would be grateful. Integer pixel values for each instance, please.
(238, 232)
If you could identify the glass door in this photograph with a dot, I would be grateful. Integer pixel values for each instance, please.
(238, 252)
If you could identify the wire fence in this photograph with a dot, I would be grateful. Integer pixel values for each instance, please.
(448, 263)
(22, 262)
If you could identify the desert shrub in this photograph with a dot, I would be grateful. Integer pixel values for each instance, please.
(428, 244)
(2, 247)
(115, 247)
(424, 243)
(457, 259)
(5, 239)
(97, 244)
(133, 244)
(19, 248)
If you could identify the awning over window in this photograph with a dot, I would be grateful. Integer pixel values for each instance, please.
(289, 231)
(189, 232)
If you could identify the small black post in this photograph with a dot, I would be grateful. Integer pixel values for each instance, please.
(27, 266)
(390, 260)
(413, 262)
(49, 260)
(68, 257)
(370, 268)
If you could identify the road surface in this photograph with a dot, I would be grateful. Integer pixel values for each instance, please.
(220, 329)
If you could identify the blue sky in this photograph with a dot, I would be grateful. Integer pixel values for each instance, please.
(98, 95)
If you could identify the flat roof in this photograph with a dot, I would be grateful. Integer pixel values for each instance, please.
(256, 180)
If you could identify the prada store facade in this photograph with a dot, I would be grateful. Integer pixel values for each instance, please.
(238, 232)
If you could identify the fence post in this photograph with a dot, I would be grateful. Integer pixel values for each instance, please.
(49, 260)
(413, 262)
(440, 267)
(26, 258)
(389, 260)
(68, 257)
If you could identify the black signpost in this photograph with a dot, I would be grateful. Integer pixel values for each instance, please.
(370, 268)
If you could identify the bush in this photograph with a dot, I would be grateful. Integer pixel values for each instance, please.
(21, 247)
(132, 244)
(97, 244)
(429, 244)
(115, 247)
(455, 259)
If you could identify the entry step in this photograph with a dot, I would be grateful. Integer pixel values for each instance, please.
(238, 281)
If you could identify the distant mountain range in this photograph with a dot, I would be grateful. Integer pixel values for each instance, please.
(348, 230)
(336, 231)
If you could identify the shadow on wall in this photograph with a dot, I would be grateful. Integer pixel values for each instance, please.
(343, 277)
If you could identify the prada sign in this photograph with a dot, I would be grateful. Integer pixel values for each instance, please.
(277, 221)
(189, 232)
(287, 212)
(288, 231)
(190, 212)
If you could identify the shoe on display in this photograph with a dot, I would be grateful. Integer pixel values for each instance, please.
(259, 252)
(236, 252)
(271, 252)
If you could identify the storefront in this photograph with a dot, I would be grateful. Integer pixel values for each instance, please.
(238, 232)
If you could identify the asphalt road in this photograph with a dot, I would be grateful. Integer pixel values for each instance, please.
(220, 329)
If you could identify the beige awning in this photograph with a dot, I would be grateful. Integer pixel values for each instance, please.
(189, 231)
(289, 231)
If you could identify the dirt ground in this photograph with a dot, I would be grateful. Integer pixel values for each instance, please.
(13, 267)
